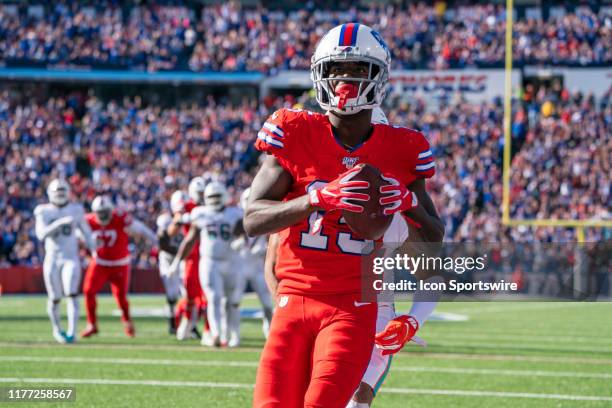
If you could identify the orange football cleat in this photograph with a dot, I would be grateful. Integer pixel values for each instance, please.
(89, 331)
(128, 327)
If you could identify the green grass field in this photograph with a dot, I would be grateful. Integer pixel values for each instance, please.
(505, 355)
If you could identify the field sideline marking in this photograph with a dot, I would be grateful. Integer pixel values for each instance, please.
(247, 350)
(253, 364)
(464, 393)
(516, 346)
(467, 336)
(523, 339)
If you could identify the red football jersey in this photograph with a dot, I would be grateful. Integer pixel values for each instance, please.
(194, 255)
(304, 144)
(112, 239)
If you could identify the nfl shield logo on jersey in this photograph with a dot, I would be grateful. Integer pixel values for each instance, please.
(349, 162)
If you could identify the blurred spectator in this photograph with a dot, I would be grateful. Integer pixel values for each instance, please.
(139, 154)
(228, 37)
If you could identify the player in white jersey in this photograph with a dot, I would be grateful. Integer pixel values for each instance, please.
(250, 265)
(216, 224)
(380, 362)
(59, 225)
(168, 246)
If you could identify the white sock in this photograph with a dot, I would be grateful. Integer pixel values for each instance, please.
(424, 301)
(233, 320)
(72, 310)
(53, 312)
(354, 404)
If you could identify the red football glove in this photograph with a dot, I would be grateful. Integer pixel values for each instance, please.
(337, 194)
(396, 334)
(397, 196)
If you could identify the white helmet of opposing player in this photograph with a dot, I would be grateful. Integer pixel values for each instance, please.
(352, 42)
(103, 207)
(215, 195)
(58, 192)
(244, 198)
(177, 201)
(196, 189)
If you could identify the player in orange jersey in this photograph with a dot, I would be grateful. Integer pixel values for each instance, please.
(322, 334)
(191, 280)
(111, 261)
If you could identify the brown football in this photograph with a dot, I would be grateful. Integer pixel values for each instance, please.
(371, 223)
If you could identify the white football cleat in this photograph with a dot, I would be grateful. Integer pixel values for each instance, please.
(234, 341)
(183, 332)
(207, 339)
(59, 336)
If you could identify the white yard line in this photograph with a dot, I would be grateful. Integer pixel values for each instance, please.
(523, 339)
(514, 345)
(133, 361)
(465, 393)
(494, 371)
(504, 357)
(206, 384)
(253, 364)
(102, 381)
(247, 350)
(85, 344)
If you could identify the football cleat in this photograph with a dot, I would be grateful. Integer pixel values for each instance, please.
(184, 329)
(207, 339)
(59, 336)
(234, 341)
(171, 326)
(89, 331)
(128, 328)
(195, 334)
(70, 339)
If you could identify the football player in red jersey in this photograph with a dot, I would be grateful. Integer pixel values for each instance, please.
(322, 335)
(191, 280)
(111, 261)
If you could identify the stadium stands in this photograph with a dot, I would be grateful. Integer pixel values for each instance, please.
(231, 38)
(140, 154)
(139, 151)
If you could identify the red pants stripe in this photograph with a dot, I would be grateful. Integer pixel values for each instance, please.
(317, 352)
(95, 278)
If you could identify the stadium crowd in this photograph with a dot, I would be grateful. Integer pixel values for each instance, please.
(140, 154)
(228, 37)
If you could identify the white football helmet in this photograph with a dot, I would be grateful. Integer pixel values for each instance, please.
(244, 198)
(196, 189)
(177, 201)
(215, 195)
(103, 207)
(58, 192)
(352, 42)
(378, 116)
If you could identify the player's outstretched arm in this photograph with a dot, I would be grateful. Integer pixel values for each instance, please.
(139, 228)
(185, 248)
(175, 226)
(87, 235)
(266, 212)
